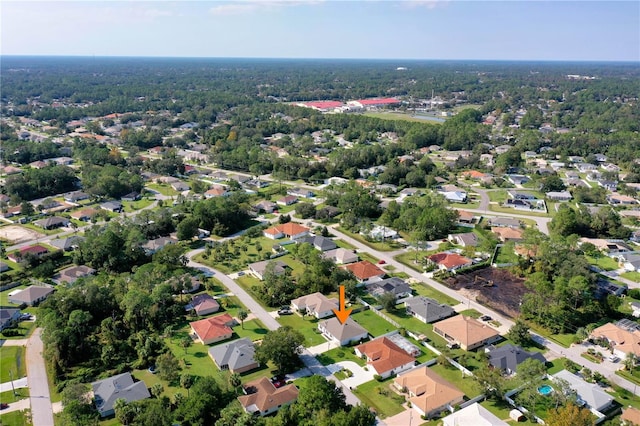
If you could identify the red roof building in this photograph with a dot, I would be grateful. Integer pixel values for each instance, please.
(365, 270)
(322, 105)
(36, 250)
(385, 357)
(214, 329)
(374, 102)
(450, 261)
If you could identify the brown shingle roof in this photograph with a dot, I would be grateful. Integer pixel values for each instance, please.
(266, 396)
(624, 340)
(466, 330)
(214, 327)
(429, 390)
(364, 270)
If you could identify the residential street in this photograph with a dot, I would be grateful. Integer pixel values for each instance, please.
(606, 368)
(41, 411)
(268, 321)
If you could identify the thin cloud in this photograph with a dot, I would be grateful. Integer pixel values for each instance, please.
(243, 7)
(428, 4)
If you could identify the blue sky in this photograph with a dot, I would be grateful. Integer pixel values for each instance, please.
(412, 29)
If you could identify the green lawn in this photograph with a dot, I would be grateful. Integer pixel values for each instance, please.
(253, 329)
(367, 256)
(136, 205)
(162, 189)
(632, 376)
(4, 296)
(410, 257)
(506, 255)
(376, 245)
(376, 325)
(339, 354)
(633, 276)
(603, 262)
(465, 383)
(399, 116)
(41, 230)
(380, 397)
(562, 339)
(15, 418)
(344, 244)
(8, 396)
(515, 213)
(468, 205)
(12, 362)
(308, 326)
(499, 195)
(24, 328)
(501, 409)
(471, 313)
(426, 290)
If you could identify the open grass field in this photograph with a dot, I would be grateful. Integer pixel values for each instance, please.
(12, 363)
(380, 397)
(308, 326)
(162, 189)
(130, 206)
(340, 354)
(400, 116)
(426, 290)
(376, 245)
(604, 262)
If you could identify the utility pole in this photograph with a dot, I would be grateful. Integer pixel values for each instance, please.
(12, 385)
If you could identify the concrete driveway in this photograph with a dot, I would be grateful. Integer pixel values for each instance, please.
(17, 384)
(359, 377)
(23, 404)
(407, 418)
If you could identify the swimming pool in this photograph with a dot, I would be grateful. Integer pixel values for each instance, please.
(545, 390)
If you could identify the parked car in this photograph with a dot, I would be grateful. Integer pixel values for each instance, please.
(381, 262)
(278, 381)
(485, 318)
(26, 317)
(285, 311)
(3, 406)
(613, 358)
(241, 273)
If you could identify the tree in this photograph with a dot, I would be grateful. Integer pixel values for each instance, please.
(388, 301)
(530, 369)
(519, 333)
(282, 346)
(186, 342)
(156, 390)
(235, 380)
(171, 255)
(305, 210)
(168, 367)
(552, 183)
(630, 361)
(187, 228)
(318, 395)
(242, 315)
(491, 380)
(569, 415)
(186, 381)
(123, 411)
(26, 209)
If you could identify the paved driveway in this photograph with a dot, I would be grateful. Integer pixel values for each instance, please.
(17, 384)
(407, 418)
(360, 375)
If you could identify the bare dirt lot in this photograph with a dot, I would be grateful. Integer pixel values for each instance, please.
(496, 288)
(16, 234)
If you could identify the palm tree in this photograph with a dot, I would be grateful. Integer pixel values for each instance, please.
(630, 362)
(242, 315)
(235, 380)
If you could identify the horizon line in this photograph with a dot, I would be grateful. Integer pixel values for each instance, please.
(631, 61)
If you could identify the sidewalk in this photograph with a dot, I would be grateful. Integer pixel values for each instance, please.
(17, 384)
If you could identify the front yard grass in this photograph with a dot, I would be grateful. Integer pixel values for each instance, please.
(12, 363)
(8, 397)
(633, 276)
(380, 397)
(376, 245)
(471, 313)
(16, 418)
(516, 213)
(253, 329)
(633, 376)
(308, 326)
(339, 354)
(130, 206)
(343, 244)
(24, 329)
(163, 189)
(424, 289)
(603, 262)
(375, 325)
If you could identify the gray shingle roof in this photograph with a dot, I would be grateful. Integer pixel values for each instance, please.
(236, 355)
(591, 394)
(107, 391)
(428, 309)
(508, 357)
(393, 285)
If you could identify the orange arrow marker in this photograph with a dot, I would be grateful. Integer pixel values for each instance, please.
(342, 314)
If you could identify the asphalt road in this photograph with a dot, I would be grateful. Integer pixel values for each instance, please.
(41, 411)
(310, 361)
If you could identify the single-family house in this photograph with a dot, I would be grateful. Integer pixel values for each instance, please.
(455, 196)
(381, 233)
(429, 393)
(217, 191)
(203, 304)
(67, 243)
(559, 195)
(621, 200)
(132, 196)
(107, 391)
(4, 267)
(384, 357)
(236, 356)
(518, 195)
(318, 242)
(265, 206)
(635, 309)
(8, 316)
(213, 329)
(340, 333)
(180, 186)
(84, 215)
(73, 273)
(630, 261)
(609, 185)
(155, 245)
(52, 222)
(428, 310)
(466, 332)
(301, 192)
(467, 239)
(505, 222)
(507, 358)
(74, 197)
(258, 269)
(508, 234)
(263, 398)
(394, 285)
(623, 339)
(449, 261)
(518, 179)
(291, 230)
(589, 394)
(473, 415)
(466, 217)
(112, 206)
(287, 200)
(365, 271)
(341, 256)
(315, 304)
(35, 250)
(31, 295)
(473, 174)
